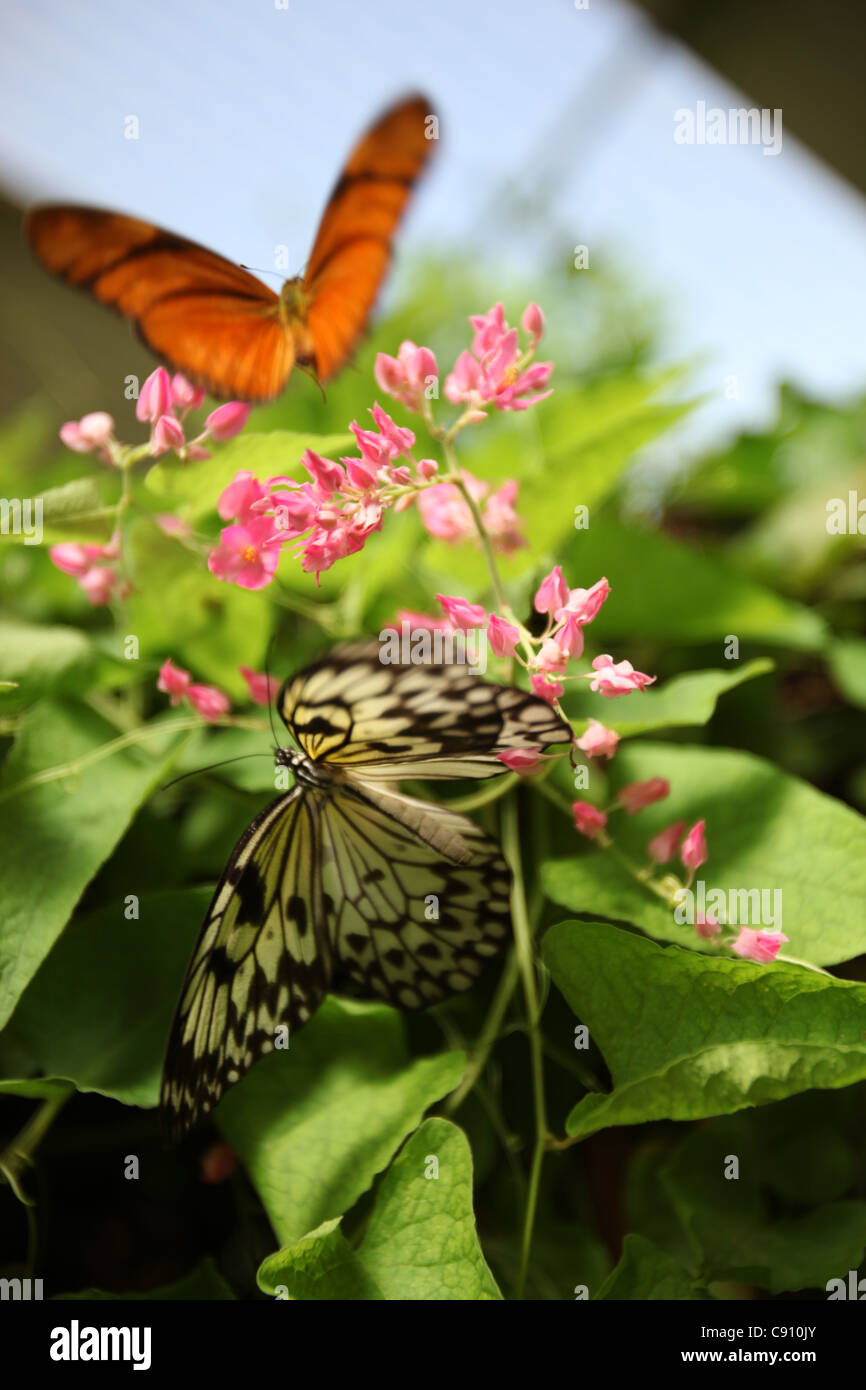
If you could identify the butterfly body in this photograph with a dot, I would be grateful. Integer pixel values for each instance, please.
(212, 319)
(344, 882)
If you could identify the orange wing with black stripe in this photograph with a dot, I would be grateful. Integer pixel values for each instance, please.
(213, 320)
(352, 248)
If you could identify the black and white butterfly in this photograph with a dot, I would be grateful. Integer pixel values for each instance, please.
(343, 883)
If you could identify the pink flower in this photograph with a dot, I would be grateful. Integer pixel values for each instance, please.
(211, 703)
(490, 328)
(406, 376)
(570, 636)
(238, 499)
(425, 621)
(173, 525)
(461, 613)
(546, 689)
(552, 592)
(464, 385)
(693, 851)
(444, 513)
(637, 795)
(707, 926)
(502, 636)
(501, 521)
(583, 604)
(505, 384)
(428, 468)
(520, 760)
(551, 658)
(588, 819)
(92, 431)
(98, 584)
(262, 687)
(154, 398)
(294, 511)
(532, 321)
(227, 420)
(662, 847)
(328, 476)
(246, 554)
(167, 434)
(402, 439)
(75, 559)
(377, 449)
(184, 394)
(760, 946)
(173, 680)
(616, 678)
(598, 742)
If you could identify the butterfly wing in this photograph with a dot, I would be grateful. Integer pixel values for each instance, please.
(262, 959)
(388, 721)
(352, 248)
(418, 897)
(208, 318)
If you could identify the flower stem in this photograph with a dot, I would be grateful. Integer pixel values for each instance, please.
(488, 1035)
(526, 967)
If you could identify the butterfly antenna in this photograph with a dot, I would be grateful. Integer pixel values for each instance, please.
(268, 655)
(210, 767)
(259, 270)
(308, 371)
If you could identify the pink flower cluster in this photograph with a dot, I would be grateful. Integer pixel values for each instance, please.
(209, 701)
(324, 520)
(163, 403)
(445, 513)
(568, 613)
(92, 566)
(494, 372)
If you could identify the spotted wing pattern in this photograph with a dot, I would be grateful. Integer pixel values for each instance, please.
(344, 882)
(389, 721)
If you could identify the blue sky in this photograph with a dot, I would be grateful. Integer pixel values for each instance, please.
(246, 111)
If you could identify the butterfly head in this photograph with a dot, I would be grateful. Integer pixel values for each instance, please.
(305, 771)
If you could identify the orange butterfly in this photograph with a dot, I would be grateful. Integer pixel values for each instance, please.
(215, 322)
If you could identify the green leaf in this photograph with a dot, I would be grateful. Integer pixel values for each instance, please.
(705, 1036)
(98, 1010)
(693, 597)
(765, 830)
(315, 1123)
(732, 1225)
(419, 1241)
(687, 700)
(62, 830)
(179, 609)
(203, 1282)
(41, 661)
(645, 1272)
(847, 658)
(75, 511)
(196, 486)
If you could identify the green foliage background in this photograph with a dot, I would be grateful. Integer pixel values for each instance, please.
(693, 1057)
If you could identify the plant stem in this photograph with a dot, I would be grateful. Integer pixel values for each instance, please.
(488, 1035)
(526, 966)
(19, 1152)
